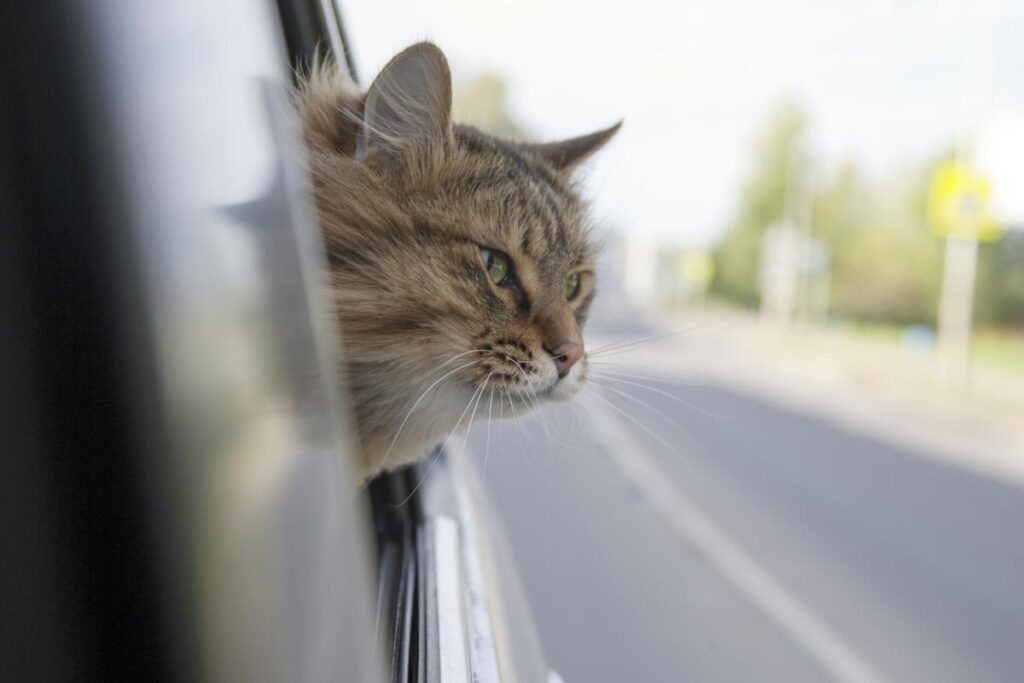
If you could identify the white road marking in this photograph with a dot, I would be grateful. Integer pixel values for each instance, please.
(822, 643)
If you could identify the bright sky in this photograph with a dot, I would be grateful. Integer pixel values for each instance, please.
(884, 83)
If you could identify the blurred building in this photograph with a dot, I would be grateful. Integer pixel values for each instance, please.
(794, 274)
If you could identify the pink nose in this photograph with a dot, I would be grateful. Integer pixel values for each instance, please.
(565, 356)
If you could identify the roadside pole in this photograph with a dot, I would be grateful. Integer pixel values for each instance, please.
(959, 211)
(956, 310)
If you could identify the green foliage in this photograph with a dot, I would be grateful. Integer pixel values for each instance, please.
(841, 207)
(1000, 286)
(887, 263)
(736, 264)
(886, 276)
(779, 177)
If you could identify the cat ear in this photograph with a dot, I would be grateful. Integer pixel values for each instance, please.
(568, 154)
(408, 105)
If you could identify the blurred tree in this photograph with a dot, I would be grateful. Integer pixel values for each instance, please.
(841, 207)
(483, 102)
(776, 187)
(887, 263)
(999, 297)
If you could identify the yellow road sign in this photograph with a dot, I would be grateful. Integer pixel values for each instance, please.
(958, 204)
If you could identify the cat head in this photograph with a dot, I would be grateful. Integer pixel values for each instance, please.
(462, 264)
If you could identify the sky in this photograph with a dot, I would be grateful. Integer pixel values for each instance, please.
(884, 84)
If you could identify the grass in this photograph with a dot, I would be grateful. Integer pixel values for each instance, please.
(994, 349)
(999, 350)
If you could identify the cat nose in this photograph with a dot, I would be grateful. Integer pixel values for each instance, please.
(565, 356)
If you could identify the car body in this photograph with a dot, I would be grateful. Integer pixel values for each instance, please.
(177, 502)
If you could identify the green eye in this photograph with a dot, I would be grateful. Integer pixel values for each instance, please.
(572, 286)
(496, 264)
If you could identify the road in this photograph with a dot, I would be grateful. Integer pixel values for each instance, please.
(751, 543)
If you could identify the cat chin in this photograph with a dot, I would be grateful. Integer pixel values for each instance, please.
(406, 442)
(564, 391)
(568, 388)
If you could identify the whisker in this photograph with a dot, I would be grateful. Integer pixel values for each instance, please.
(620, 347)
(520, 360)
(515, 420)
(646, 378)
(573, 407)
(633, 342)
(460, 355)
(675, 398)
(617, 347)
(584, 402)
(441, 449)
(472, 415)
(541, 418)
(650, 432)
(417, 403)
(663, 415)
(531, 395)
(487, 446)
(528, 388)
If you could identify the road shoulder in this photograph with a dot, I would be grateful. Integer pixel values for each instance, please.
(860, 389)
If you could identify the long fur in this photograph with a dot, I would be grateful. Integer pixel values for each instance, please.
(424, 329)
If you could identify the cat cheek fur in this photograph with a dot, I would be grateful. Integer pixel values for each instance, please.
(406, 199)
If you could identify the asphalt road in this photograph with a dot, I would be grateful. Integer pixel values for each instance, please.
(852, 553)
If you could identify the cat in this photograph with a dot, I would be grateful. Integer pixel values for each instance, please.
(461, 265)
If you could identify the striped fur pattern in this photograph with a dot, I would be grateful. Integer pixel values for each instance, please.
(407, 202)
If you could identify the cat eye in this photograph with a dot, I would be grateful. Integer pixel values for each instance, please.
(496, 264)
(572, 286)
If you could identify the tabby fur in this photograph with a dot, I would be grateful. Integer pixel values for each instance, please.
(406, 200)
